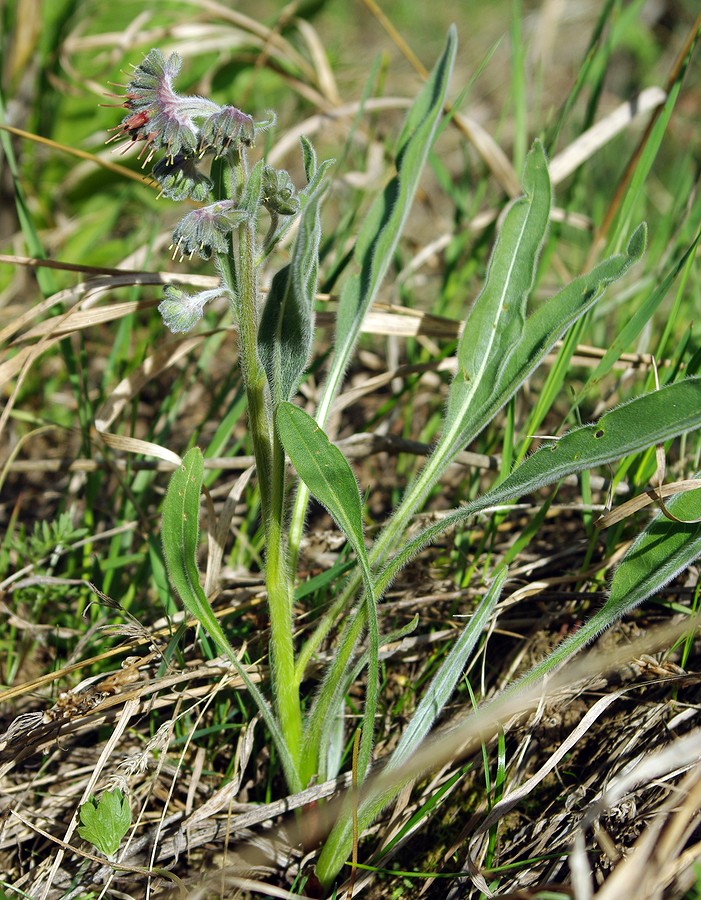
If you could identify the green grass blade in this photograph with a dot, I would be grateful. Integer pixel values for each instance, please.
(649, 153)
(378, 238)
(338, 845)
(640, 317)
(444, 681)
(180, 537)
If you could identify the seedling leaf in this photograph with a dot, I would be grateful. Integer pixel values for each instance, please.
(105, 821)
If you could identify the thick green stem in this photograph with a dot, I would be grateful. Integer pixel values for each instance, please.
(279, 585)
(270, 466)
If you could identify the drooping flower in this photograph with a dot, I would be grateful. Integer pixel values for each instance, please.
(181, 311)
(224, 129)
(205, 230)
(180, 179)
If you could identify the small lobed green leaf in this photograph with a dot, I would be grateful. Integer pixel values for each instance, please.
(253, 191)
(105, 821)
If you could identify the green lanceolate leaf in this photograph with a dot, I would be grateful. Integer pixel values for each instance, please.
(180, 530)
(180, 537)
(636, 425)
(660, 553)
(325, 471)
(337, 848)
(495, 324)
(632, 426)
(551, 320)
(499, 347)
(327, 474)
(105, 821)
(287, 322)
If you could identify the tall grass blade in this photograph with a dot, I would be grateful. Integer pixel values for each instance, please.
(378, 238)
(338, 845)
(640, 317)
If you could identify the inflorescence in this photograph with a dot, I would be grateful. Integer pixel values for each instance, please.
(188, 129)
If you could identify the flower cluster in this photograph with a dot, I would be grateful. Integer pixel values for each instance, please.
(186, 127)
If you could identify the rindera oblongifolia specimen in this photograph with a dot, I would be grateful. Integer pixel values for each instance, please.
(274, 341)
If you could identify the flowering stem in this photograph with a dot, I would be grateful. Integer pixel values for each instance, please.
(270, 466)
(279, 584)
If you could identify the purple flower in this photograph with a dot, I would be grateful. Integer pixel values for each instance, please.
(157, 114)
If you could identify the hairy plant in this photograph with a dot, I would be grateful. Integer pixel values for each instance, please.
(247, 210)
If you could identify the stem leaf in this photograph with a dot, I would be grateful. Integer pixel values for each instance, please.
(287, 322)
(325, 471)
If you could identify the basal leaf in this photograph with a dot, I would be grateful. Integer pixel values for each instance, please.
(378, 238)
(327, 474)
(443, 682)
(385, 220)
(663, 550)
(180, 536)
(495, 323)
(636, 425)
